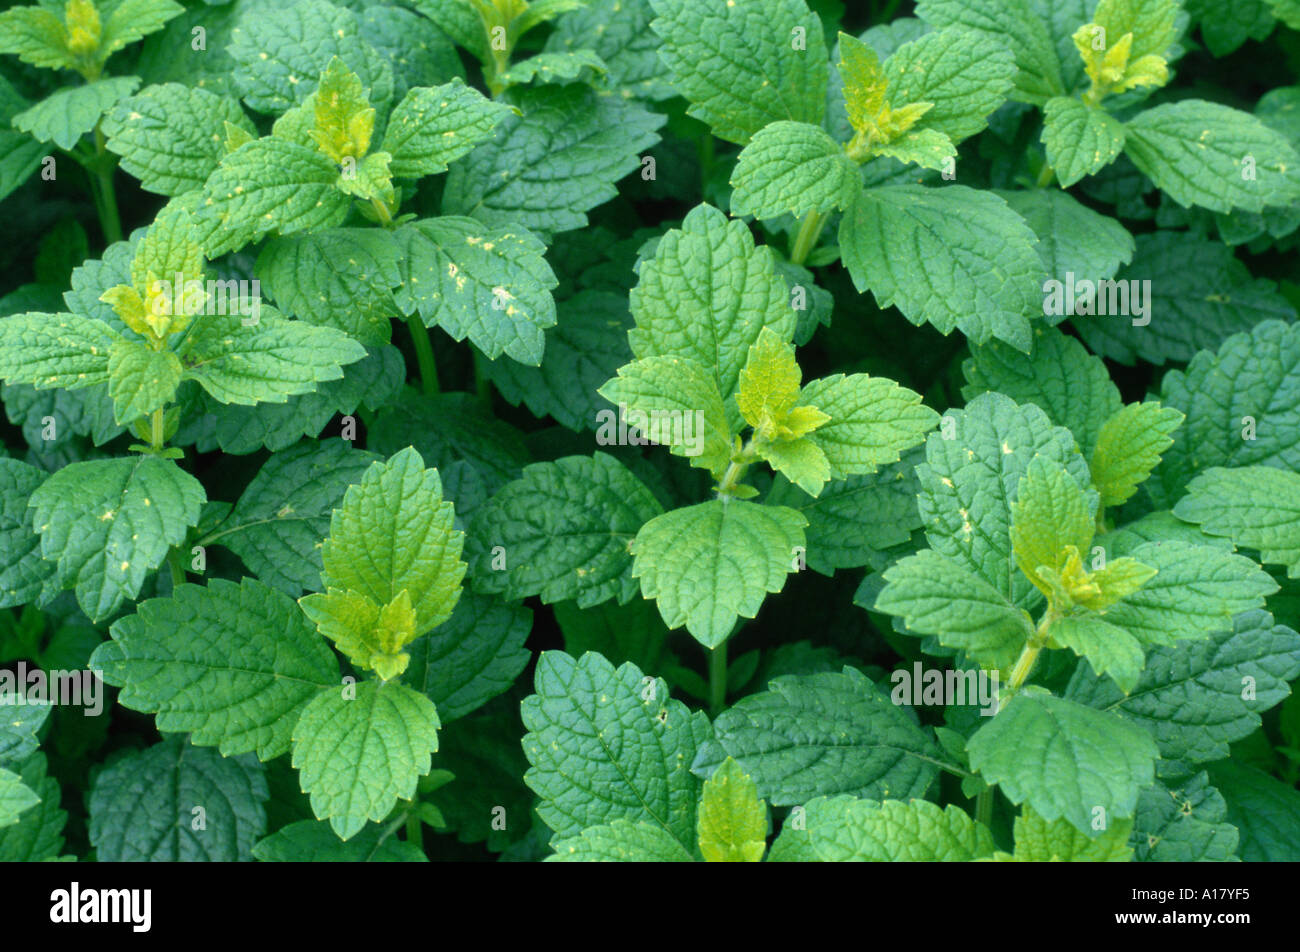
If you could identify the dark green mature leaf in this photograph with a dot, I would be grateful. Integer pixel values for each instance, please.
(473, 656)
(65, 116)
(1196, 697)
(107, 523)
(175, 803)
(820, 735)
(234, 664)
(1257, 507)
(549, 166)
(311, 841)
(564, 530)
(619, 33)
(608, 744)
(1064, 759)
(1264, 810)
(1080, 139)
(19, 723)
(1242, 405)
(953, 256)
(23, 573)
(1183, 824)
(38, 834)
(744, 65)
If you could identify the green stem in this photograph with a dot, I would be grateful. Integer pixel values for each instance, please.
(424, 354)
(177, 566)
(717, 679)
(806, 240)
(736, 469)
(109, 220)
(1046, 174)
(984, 806)
(156, 431)
(385, 216)
(414, 829)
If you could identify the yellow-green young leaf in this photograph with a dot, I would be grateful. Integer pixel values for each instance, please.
(674, 401)
(345, 120)
(1038, 841)
(1119, 579)
(132, 20)
(141, 379)
(84, 27)
(35, 36)
(1051, 514)
(801, 461)
(732, 820)
(1126, 44)
(1110, 650)
(1129, 448)
(865, 84)
(370, 179)
(394, 534)
(371, 635)
(768, 390)
(928, 148)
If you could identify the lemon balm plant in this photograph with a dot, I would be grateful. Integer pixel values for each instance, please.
(773, 380)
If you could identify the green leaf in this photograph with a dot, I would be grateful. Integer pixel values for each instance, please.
(169, 136)
(1052, 514)
(433, 126)
(1197, 590)
(1064, 760)
(618, 31)
(732, 818)
(672, 401)
(1192, 696)
(108, 523)
(1257, 507)
(794, 168)
(270, 185)
(708, 564)
(310, 841)
(141, 379)
(558, 68)
(277, 526)
(873, 420)
(741, 66)
(391, 542)
(1038, 841)
(280, 52)
(1110, 650)
(1072, 240)
(142, 805)
(1266, 811)
(16, 798)
(855, 519)
(1059, 375)
(707, 294)
(1206, 154)
(965, 74)
(1242, 405)
(35, 35)
(474, 656)
(952, 256)
(935, 595)
(69, 113)
(564, 530)
(489, 283)
(822, 734)
(621, 841)
(1129, 447)
(609, 744)
(843, 829)
(1184, 824)
(267, 361)
(971, 479)
(341, 278)
(38, 834)
(233, 664)
(20, 722)
(1010, 22)
(1081, 140)
(584, 349)
(23, 573)
(54, 350)
(358, 755)
(546, 168)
